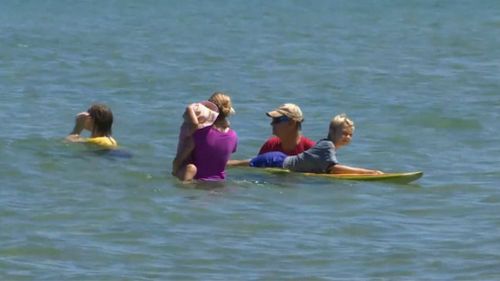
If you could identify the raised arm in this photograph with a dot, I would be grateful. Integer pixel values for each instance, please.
(191, 123)
(190, 115)
(80, 123)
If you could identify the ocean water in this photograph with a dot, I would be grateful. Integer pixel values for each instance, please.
(419, 78)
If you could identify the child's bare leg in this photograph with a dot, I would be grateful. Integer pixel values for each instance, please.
(187, 173)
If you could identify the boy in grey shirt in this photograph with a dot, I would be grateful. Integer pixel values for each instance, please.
(320, 158)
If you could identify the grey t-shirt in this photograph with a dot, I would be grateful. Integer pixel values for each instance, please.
(317, 159)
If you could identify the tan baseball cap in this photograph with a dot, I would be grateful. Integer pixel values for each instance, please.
(290, 110)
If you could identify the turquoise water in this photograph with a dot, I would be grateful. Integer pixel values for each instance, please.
(419, 78)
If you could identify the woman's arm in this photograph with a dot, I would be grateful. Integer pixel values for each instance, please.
(343, 169)
(238, 163)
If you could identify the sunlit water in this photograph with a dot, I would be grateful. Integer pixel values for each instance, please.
(420, 79)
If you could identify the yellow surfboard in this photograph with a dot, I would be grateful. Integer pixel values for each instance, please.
(392, 177)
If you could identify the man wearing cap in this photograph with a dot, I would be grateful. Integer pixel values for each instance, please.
(287, 124)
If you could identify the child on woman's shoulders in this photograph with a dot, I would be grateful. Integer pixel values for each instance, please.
(320, 158)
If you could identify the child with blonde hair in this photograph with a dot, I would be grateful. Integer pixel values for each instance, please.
(321, 158)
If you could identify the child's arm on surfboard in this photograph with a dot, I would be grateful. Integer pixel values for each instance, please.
(343, 169)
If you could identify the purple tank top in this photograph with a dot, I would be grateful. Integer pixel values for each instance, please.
(212, 151)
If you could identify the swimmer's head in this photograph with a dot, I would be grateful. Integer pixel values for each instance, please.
(341, 130)
(102, 119)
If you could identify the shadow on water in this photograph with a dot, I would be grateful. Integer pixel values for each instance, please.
(113, 153)
(202, 185)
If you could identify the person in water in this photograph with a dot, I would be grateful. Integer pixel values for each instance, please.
(321, 158)
(98, 120)
(196, 116)
(287, 125)
(213, 145)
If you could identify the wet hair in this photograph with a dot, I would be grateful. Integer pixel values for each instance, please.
(103, 119)
(338, 122)
(223, 102)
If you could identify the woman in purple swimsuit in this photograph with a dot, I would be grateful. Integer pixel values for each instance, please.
(213, 145)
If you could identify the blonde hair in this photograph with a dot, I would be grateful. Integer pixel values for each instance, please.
(339, 122)
(223, 102)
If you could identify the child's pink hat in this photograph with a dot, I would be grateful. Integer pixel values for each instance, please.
(210, 114)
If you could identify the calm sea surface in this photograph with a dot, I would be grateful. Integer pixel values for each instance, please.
(419, 78)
